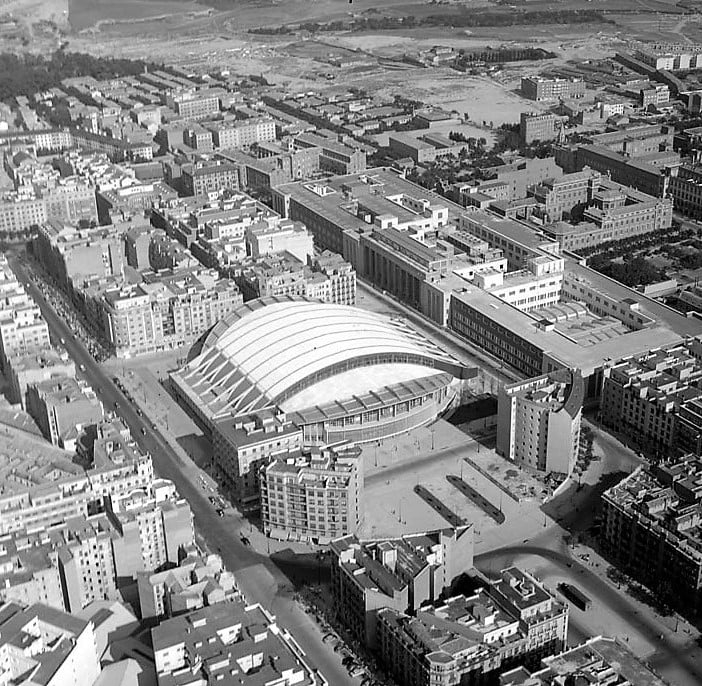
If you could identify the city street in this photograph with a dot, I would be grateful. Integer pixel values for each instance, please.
(257, 576)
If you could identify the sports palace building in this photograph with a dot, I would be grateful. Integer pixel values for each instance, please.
(335, 371)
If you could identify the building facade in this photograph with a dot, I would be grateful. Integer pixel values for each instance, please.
(538, 421)
(317, 497)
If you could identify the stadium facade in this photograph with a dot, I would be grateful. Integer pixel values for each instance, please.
(337, 372)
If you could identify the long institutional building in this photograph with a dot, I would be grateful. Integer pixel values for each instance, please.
(503, 284)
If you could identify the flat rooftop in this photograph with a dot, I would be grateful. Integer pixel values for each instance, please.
(670, 326)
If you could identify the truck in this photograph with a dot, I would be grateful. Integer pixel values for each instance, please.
(575, 596)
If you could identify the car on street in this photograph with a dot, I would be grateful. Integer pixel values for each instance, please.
(143, 431)
(116, 403)
(220, 512)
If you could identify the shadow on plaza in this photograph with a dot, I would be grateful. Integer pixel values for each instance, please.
(576, 508)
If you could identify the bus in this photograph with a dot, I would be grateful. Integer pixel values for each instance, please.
(575, 596)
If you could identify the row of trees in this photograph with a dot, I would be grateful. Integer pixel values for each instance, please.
(636, 271)
(454, 19)
(29, 74)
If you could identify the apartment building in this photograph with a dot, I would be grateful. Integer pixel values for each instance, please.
(40, 644)
(543, 89)
(538, 421)
(335, 156)
(688, 428)
(86, 562)
(597, 662)
(194, 104)
(328, 278)
(62, 407)
(151, 534)
(242, 133)
(137, 245)
(242, 445)
(650, 529)
(28, 369)
(536, 126)
(313, 497)
(23, 330)
(165, 311)
(166, 253)
(198, 138)
(275, 235)
(658, 94)
(684, 185)
(29, 571)
(472, 639)
(44, 487)
(134, 200)
(671, 57)
(198, 581)
(229, 641)
(340, 279)
(204, 178)
(69, 200)
(642, 395)
(71, 254)
(401, 574)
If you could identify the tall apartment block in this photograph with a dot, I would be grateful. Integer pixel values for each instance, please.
(401, 574)
(472, 639)
(651, 530)
(86, 562)
(538, 421)
(151, 534)
(315, 497)
(62, 407)
(552, 90)
(643, 397)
